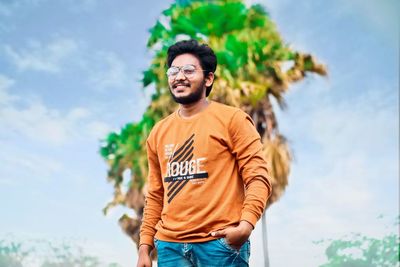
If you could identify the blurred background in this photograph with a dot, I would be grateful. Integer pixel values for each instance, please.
(75, 75)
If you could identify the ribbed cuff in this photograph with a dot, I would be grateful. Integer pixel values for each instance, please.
(249, 217)
(146, 239)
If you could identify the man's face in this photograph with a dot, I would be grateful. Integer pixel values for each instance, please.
(190, 87)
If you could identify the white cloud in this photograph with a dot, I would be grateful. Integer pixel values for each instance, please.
(120, 25)
(79, 6)
(88, 3)
(98, 129)
(5, 84)
(32, 134)
(367, 124)
(345, 174)
(104, 69)
(379, 16)
(32, 119)
(8, 8)
(37, 122)
(42, 57)
(78, 113)
(5, 10)
(107, 254)
(107, 70)
(19, 165)
(323, 208)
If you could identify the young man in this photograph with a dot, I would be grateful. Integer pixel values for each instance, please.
(208, 180)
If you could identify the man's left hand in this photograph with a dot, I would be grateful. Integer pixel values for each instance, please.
(235, 236)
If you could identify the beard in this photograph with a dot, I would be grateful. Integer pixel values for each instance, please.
(193, 97)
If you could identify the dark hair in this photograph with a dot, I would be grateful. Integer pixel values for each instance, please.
(203, 52)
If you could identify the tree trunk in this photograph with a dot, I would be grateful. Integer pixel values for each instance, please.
(265, 241)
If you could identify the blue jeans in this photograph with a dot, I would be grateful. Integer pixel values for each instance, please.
(214, 253)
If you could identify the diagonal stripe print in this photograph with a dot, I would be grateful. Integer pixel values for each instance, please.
(178, 182)
(178, 156)
(183, 155)
(189, 158)
(183, 146)
(177, 191)
(174, 183)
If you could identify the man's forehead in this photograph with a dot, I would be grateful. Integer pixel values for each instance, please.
(186, 59)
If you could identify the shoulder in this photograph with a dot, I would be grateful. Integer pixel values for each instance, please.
(224, 108)
(225, 111)
(229, 113)
(161, 125)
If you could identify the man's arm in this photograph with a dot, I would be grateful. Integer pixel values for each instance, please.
(247, 149)
(153, 205)
(144, 256)
(246, 146)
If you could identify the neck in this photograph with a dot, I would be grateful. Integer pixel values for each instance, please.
(189, 110)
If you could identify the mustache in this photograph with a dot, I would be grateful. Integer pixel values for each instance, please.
(180, 83)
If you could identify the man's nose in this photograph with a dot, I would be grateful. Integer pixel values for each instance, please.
(180, 76)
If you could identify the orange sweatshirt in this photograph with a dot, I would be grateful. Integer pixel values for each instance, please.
(205, 173)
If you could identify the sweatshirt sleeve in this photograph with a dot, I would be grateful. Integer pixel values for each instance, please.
(154, 196)
(247, 149)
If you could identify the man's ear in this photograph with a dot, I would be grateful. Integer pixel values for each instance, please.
(209, 79)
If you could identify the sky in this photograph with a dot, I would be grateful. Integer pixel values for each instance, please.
(70, 73)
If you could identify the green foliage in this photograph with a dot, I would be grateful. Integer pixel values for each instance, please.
(228, 26)
(237, 33)
(362, 251)
(365, 252)
(44, 253)
(12, 254)
(250, 55)
(130, 141)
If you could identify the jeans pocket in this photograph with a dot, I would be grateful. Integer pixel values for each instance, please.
(225, 244)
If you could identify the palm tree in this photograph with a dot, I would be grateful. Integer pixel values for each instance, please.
(254, 67)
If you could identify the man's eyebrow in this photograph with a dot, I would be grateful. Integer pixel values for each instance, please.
(184, 65)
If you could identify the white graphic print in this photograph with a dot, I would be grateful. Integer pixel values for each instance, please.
(182, 167)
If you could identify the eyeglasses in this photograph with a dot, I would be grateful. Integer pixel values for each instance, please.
(187, 70)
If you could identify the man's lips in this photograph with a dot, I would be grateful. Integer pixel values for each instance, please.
(181, 86)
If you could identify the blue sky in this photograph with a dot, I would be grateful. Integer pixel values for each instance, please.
(69, 74)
